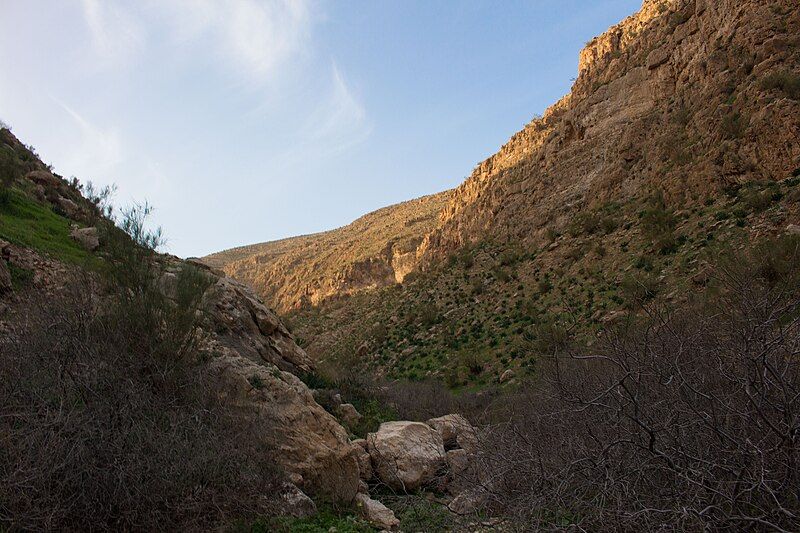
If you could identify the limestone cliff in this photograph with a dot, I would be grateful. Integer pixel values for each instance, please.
(677, 97)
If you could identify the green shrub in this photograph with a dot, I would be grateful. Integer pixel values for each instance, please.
(659, 223)
(756, 201)
(256, 382)
(734, 125)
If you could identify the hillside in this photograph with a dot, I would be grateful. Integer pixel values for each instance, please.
(679, 141)
(377, 250)
(598, 330)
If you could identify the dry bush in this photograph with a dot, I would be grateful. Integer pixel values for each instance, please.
(423, 400)
(682, 420)
(109, 420)
(100, 431)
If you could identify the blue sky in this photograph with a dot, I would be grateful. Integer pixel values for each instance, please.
(250, 120)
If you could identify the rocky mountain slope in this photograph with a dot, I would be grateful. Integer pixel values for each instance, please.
(377, 250)
(66, 272)
(687, 97)
(679, 140)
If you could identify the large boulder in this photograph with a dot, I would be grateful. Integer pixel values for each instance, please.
(456, 432)
(242, 321)
(406, 455)
(255, 359)
(376, 513)
(305, 440)
(86, 237)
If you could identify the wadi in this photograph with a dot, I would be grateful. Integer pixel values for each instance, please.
(598, 330)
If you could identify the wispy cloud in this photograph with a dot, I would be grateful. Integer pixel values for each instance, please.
(96, 151)
(341, 121)
(254, 37)
(116, 35)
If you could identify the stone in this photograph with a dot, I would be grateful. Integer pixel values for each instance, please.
(364, 461)
(460, 474)
(70, 208)
(88, 238)
(456, 432)
(507, 376)
(657, 57)
(235, 313)
(349, 415)
(376, 513)
(406, 455)
(793, 229)
(294, 502)
(468, 502)
(300, 435)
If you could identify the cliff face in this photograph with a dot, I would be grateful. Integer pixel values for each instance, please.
(377, 250)
(680, 137)
(687, 98)
(677, 98)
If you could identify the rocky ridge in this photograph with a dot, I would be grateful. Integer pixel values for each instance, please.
(377, 250)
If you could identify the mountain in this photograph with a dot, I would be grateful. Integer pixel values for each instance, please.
(679, 139)
(377, 250)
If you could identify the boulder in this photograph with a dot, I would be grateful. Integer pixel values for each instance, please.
(69, 208)
(406, 455)
(294, 502)
(456, 432)
(507, 376)
(363, 459)
(241, 320)
(460, 471)
(468, 502)
(86, 237)
(306, 441)
(376, 513)
(349, 415)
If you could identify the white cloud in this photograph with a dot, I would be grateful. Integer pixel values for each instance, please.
(341, 121)
(254, 37)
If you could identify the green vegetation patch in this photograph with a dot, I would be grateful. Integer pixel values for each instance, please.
(27, 223)
(326, 520)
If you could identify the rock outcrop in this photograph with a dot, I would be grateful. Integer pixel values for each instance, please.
(257, 360)
(680, 97)
(406, 455)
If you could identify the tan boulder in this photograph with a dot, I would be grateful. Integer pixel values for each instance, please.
(456, 432)
(376, 513)
(406, 455)
(364, 460)
(299, 434)
(87, 237)
(241, 320)
(349, 415)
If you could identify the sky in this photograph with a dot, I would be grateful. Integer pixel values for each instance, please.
(246, 121)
